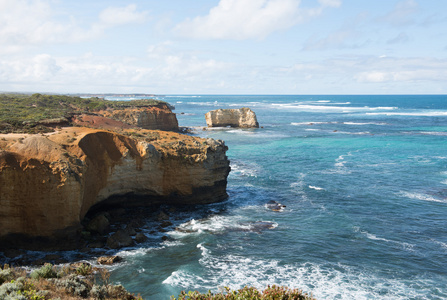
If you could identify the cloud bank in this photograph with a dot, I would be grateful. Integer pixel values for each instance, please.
(249, 19)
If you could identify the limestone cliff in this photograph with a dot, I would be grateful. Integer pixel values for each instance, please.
(49, 182)
(159, 117)
(242, 117)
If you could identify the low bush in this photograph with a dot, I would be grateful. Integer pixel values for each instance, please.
(84, 269)
(47, 271)
(248, 293)
(5, 275)
(58, 283)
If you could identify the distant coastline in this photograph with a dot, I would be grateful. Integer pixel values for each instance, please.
(112, 95)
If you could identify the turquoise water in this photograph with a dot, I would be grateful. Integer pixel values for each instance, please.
(364, 181)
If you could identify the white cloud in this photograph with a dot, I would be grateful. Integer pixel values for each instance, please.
(402, 14)
(369, 69)
(246, 19)
(172, 64)
(330, 3)
(373, 76)
(33, 23)
(122, 15)
(401, 38)
(167, 71)
(337, 39)
(162, 68)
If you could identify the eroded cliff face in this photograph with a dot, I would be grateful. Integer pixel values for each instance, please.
(49, 182)
(158, 117)
(242, 117)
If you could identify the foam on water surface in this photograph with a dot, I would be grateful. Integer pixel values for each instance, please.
(364, 182)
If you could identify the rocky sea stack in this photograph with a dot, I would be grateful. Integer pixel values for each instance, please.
(242, 117)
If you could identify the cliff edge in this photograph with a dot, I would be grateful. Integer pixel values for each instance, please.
(50, 181)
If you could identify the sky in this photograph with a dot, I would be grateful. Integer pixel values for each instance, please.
(224, 46)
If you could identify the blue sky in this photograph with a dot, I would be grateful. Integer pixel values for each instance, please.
(224, 46)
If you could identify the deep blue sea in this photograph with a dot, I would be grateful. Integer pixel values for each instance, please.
(364, 181)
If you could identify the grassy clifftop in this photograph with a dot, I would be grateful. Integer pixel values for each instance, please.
(30, 113)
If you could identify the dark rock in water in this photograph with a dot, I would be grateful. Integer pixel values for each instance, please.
(99, 224)
(275, 206)
(54, 258)
(119, 239)
(165, 224)
(38, 262)
(11, 253)
(162, 216)
(140, 238)
(97, 244)
(260, 226)
(109, 260)
(164, 238)
(130, 230)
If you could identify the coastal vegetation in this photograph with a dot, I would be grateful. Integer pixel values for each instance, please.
(82, 281)
(75, 281)
(248, 293)
(37, 112)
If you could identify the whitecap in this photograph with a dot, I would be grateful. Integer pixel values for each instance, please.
(442, 244)
(172, 243)
(212, 224)
(421, 196)
(186, 96)
(316, 188)
(311, 123)
(414, 114)
(329, 108)
(335, 281)
(134, 252)
(244, 169)
(361, 124)
(404, 245)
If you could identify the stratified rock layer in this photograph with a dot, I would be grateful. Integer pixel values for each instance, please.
(48, 183)
(242, 117)
(158, 117)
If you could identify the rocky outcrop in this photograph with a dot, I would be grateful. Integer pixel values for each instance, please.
(50, 182)
(99, 122)
(242, 117)
(159, 117)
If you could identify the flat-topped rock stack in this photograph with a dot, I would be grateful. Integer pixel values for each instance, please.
(242, 117)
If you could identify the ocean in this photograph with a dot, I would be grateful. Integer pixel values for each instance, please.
(364, 182)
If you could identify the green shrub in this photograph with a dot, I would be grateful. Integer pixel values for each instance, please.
(98, 292)
(47, 271)
(248, 293)
(74, 285)
(10, 290)
(6, 275)
(84, 269)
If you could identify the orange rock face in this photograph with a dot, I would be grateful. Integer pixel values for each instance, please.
(49, 182)
(155, 117)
